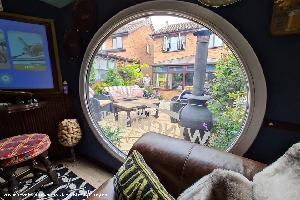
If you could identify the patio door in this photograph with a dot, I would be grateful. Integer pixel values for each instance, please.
(175, 81)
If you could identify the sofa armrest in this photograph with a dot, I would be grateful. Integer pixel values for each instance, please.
(179, 163)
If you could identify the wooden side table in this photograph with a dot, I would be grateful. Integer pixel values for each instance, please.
(21, 150)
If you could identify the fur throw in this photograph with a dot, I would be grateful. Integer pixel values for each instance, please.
(279, 181)
(219, 185)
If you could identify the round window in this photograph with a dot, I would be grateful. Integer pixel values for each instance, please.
(176, 69)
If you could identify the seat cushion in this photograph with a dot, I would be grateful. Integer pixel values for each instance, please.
(20, 148)
(135, 180)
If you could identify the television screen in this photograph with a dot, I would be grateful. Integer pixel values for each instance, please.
(26, 62)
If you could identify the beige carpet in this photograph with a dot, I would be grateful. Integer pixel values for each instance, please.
(87, 170)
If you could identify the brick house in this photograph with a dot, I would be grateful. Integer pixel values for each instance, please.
(174, 55)
(169, 51)
(133, 41)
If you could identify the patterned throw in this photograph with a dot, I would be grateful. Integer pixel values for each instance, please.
(20, 148)
(135, 180)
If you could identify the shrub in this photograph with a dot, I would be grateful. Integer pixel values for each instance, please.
(131, 73)
(229, 101)
(92, 75)
(114, 135)
(98, 87)
(113, 78)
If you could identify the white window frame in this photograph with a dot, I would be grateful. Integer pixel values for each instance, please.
(212, 41)
(117, 42)
(180, 43)
(234, 40)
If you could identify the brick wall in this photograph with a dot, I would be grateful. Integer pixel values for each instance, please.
(188, 51)
(135, 46)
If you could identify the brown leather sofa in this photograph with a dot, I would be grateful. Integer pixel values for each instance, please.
(178, 163)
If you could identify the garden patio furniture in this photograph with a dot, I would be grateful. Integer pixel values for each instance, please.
(129, 105)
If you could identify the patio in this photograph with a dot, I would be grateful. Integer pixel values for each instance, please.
(140, 124)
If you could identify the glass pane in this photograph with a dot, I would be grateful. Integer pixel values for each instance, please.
(190, 68)
(173, 43)
(111, 64)
(102, 63)
(176, 69)
(189, 79)
(175, 81)
(211, 42)
(119, 43)
(160, 69)
(129, 107)
(114, 43)
(218, 41)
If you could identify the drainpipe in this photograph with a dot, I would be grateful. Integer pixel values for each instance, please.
(195, 118)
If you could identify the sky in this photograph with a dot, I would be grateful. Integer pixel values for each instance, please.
(160, 21)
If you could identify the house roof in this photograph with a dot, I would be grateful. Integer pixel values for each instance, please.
(105, 55)
(173, 28)
(187, 60)
(134, 25)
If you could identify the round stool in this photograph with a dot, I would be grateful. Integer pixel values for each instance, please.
(20, 149)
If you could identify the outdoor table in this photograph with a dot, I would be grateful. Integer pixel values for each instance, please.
(129, 105)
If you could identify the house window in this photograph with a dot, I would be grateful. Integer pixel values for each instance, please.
(148, 49)
(117, 43)
(101, 67)
(174, 43)
(215, 41)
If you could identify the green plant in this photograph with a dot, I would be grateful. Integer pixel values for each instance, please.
(228, 103)
(98, 87)
(114, 135)
(148, 92)
(131, 73)
(113, 78)
(92, 75)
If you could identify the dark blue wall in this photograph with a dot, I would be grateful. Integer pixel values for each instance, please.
(279, 57)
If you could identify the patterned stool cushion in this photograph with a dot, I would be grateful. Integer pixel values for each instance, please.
(20, 148)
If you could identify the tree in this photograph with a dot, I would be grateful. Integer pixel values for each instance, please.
(229, 101)
(92, 75)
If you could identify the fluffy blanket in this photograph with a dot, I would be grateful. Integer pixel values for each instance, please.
(219, 185)
(279, 181)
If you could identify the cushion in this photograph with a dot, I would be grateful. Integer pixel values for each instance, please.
(135, 180)
(137, 92)
(219, 185)
(20, 148)
(281, 179)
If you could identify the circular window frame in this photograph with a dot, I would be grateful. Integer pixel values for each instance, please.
(226, 31)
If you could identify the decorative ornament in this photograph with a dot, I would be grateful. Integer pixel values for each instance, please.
(217, 3)
(69, 132)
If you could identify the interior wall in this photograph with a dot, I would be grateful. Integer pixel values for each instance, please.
(279, 57)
